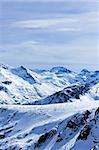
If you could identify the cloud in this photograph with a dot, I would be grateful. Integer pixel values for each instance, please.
(48, 24)
(71, 23)
(43, 35)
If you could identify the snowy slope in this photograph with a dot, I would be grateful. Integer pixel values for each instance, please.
(48, 127)
(54, 109)
(24, 86)
(71, 93)
(89, 134)
(21, 85)
(68, 94)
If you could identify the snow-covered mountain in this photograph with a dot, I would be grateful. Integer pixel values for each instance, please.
(71, 93)
(24, 86)
(54, 109)
(50, 127)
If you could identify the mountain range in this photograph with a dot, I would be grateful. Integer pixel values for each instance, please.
(56, 109)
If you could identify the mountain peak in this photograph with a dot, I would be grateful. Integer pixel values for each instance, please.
(4, 66)
(23, 73)
(60, 70)
(84, 72)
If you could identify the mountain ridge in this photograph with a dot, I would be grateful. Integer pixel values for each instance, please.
(55, 109)
(23, 86)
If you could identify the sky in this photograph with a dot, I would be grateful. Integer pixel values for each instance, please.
(47, 33)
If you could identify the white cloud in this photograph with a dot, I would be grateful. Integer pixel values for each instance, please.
(48, 24)
(73, 23)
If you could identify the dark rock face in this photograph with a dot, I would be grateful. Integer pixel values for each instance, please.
(78, 120)
(72, 125)
(89, 133)
(66, 95)
(45, 137)
(2, 136)
(7, 82)
(84, 133)
(76, 90)
(69, 128)
(2, 88)
(97, 111)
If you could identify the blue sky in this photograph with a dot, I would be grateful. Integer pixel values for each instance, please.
(47, 33)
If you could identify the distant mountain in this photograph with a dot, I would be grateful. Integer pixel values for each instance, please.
(24, 73)
(60, 70)
(83, 83)
(68, 94)
(24, 86)
(21, 85)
